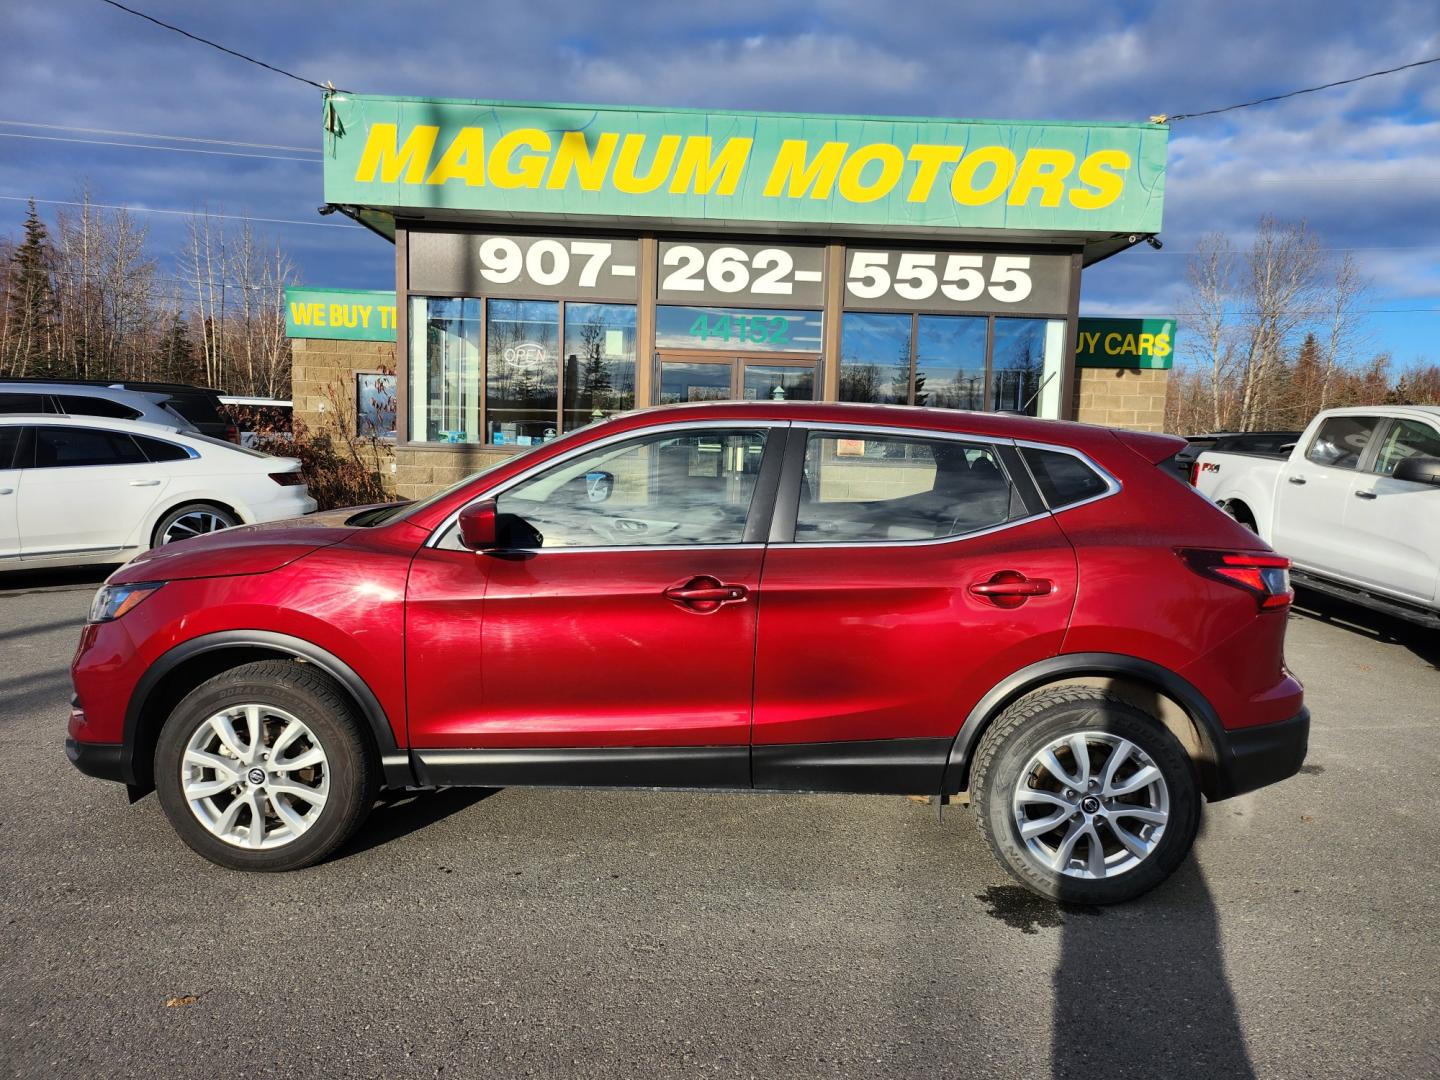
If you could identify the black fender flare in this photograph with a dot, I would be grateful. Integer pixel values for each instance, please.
(394, 761)
(1057, 669)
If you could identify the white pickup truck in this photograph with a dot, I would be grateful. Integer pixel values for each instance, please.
(1355, 504)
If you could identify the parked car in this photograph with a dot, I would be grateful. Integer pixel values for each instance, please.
(258, 417)
(78, 399)
(199, 406)
(1355, 504)
(1237, 441)
(78, 489)
(773, 596)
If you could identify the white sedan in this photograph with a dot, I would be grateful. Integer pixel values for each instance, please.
(80, 489)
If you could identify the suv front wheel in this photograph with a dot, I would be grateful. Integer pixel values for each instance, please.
(1084, 797)
(265, 767)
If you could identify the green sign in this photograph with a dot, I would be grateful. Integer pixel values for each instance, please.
(906, 175)
(1126, 343)
(347, 314)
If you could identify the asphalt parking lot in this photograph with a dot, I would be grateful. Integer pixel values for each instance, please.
(622, 934)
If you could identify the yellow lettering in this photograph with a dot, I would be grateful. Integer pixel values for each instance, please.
(1104, 173)
(660, 165)
(792, 176)
(383, 154)
(962, 184)
(1147, 344)
(531, 166)
(698, 172)
(365, 310)
(1043, 169)
(300, 314)
(929, 157)
(464, 159)
(1162, 344)
(573, 155)
(1112, 344)
(387, 318)
(892, 164)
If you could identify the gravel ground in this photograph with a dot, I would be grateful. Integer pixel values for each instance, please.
(542, 933)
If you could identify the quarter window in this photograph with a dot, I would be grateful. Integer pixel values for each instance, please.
(1341, 441)
(22, 403)
(868, 488)
(1063, 479)
(159, 450)
(674, 488)
(1407, 439)
(62, 448)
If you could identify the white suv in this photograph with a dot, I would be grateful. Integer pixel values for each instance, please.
(78, 399)
(77, 489)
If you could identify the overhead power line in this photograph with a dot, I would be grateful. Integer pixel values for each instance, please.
(222, 48)
(153, 135)
(184, 213)
(152, 146)
(1290, 94)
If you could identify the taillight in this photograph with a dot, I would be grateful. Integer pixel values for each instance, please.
(232, 434)
(1267, 577)
(1194, 472)
(287, 479)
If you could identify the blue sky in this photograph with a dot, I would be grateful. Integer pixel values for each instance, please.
(1361, 164)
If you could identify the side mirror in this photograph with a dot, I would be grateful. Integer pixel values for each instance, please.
(1419, 470)
(478, 529)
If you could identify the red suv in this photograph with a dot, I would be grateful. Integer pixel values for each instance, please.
(770, 596)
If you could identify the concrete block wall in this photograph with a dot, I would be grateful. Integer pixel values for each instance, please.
(422, 471)
(321, 368)
(1121, 397)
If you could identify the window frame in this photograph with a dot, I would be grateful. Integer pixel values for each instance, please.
(36, 429)
(1382, 434)
(757, 522)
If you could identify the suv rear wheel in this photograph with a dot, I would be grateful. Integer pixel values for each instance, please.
(1084, 797)
(265, 767)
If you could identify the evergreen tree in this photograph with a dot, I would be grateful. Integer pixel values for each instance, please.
(33, 295)
(175, 356)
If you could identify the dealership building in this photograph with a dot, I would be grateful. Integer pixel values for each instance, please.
(556, 264)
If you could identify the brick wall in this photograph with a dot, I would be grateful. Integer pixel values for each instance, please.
(323, 369)
(422, 471)
(1121, 397)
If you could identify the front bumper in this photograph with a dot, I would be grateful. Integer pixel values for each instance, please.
(101, 760)
(1250, 758)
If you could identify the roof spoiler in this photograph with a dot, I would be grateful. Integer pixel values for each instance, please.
(1151, 446)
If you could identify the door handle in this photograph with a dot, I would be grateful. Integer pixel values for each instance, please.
(706, 593)
(1010, 588)
(1364, 494)
(1296, 479)
(144, 483)
(7, 491)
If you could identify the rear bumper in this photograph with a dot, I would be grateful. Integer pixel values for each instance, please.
(1250, 758)
(101, 760)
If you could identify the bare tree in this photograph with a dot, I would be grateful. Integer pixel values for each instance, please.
(1210, 339)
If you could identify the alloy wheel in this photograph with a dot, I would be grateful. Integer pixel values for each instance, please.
(1091, 805)
(193, 523)
(255, 776)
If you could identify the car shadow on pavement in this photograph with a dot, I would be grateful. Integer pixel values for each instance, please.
(1121, 972)
(13, 582)
(1420, 640)
(401, 813)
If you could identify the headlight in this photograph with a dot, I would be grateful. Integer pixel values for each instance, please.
(112, 601)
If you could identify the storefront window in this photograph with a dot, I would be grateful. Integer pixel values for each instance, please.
(444, 370)
(950, 361)
(746, 330)
(599, 362)
(375, 405)
(875, 358)
(522, 371)
(1025, 366)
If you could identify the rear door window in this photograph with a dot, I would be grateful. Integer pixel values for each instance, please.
(9, 443)
(69, 448)
(1342, 440)
(83, 405)
(865, 488)
(1406, 439)
(1063, 479)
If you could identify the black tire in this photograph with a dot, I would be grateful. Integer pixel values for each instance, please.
(307, 694)
(1021, 732)
(223, 519)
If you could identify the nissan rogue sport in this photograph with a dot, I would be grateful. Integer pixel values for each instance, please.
(1034, 615)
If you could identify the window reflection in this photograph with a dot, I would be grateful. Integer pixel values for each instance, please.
(599, 362)
(875, 358)
(1018, 365)
(444, 369)
(950, 362)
